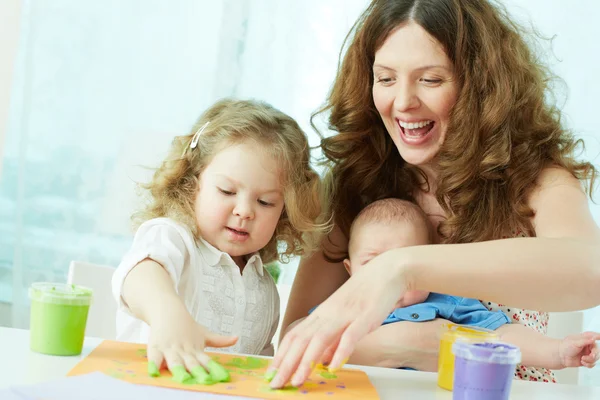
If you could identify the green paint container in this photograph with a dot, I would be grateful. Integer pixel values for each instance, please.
(58, 317)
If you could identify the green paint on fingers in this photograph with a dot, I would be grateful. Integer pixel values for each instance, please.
(180, 375)
(217, 372)
(153, 369)
(202, 377)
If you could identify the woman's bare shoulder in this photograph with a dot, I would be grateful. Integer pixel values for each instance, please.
(553, 179)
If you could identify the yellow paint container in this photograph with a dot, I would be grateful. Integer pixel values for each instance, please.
(451, 333)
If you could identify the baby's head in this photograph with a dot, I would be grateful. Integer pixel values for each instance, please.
(242, 181)
(384, 225)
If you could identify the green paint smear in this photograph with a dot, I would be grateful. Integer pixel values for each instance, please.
(141, 353)
(328, 375)
(283, 390)
(248, 363)
(243, 372)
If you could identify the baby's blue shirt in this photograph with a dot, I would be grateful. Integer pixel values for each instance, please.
(459, 310)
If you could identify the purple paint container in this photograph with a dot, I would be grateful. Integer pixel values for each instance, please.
(484, 371)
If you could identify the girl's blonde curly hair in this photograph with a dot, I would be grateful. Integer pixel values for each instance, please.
(174, 187)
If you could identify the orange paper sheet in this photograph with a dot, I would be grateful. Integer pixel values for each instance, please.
(127, 361)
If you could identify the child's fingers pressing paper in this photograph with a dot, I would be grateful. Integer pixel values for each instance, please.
(176, 366)
(203, 359)
(180, 375)
(214, 371)
(217, 372)
(189, 361)
(199, 369)
(155, 361)
(202, 377)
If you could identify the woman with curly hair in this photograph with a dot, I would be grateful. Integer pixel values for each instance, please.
(229, 195)
(443, 103)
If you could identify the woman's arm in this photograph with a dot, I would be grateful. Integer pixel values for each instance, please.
(559, 270)
(401, 344)
(316, 279)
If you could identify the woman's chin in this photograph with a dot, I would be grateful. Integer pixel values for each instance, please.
(417, 157)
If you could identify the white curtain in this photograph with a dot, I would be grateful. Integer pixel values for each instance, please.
(100, 89)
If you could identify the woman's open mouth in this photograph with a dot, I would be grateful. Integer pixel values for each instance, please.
(415, 133)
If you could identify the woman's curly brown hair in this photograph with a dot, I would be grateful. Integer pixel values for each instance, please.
(174, 186)
(503, 132)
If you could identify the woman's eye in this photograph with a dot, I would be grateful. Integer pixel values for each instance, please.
(384, 80)
(226, 192)
(431, 81)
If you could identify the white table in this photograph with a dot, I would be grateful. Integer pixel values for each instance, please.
(19, 365)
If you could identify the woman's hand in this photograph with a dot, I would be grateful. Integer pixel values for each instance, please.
(355, 309)
(178, 341)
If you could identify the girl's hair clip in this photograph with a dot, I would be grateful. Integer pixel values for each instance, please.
(196, 137)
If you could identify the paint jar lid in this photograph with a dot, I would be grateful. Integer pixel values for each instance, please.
(452, 332)
(60, 293)
(488, 352)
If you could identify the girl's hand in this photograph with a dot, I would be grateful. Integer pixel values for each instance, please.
(333, 329)
(178, 342)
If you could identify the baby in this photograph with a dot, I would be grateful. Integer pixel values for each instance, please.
(393, 223)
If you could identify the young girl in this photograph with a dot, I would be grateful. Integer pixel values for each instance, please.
(229, 195)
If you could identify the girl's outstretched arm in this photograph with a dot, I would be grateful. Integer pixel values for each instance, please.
(176, 340)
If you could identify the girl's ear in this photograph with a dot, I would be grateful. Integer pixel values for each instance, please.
(347, 265)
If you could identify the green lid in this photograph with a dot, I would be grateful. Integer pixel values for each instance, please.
(60, 293)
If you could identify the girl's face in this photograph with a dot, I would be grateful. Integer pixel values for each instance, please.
(240, 200)
(414, 90)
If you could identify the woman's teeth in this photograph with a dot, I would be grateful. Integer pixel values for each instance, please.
(414, 125)
(416, 129)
